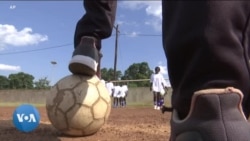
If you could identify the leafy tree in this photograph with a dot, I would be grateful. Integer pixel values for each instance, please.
(4, 82)
(138, 71)
(108, 74)
(42, 83)
(21, 80)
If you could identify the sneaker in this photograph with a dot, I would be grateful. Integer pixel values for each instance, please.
(166, 109)
(215, 115)
(155, 107)
(85, 58)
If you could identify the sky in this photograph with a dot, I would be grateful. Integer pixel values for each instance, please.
(35, 33)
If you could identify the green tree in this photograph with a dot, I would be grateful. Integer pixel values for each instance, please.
(108, 74)
(4, 82)
(138, 71)
(21, 80)
(42, 83)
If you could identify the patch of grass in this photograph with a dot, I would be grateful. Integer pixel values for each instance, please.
(139, 105)
(16, 104)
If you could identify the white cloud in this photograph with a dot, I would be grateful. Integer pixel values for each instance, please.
(132, 23)
(12, 7)
(152, 8)
(164, 72)
(132, 34)
(163, 68)
(9, 67)
(9, 35)
(155, 23)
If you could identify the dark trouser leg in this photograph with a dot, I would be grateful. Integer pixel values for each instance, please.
(155, 98)
(98, 20)
(206, 44)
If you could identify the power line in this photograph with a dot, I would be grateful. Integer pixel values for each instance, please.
(68, 44)
(34, 50)
(138, 35)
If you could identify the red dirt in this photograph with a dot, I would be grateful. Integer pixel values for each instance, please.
(124, 124)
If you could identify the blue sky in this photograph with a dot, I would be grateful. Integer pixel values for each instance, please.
(34, 33)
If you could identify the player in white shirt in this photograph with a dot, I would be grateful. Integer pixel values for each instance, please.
(124, 93)
(116, 95)
(157, 85)
(110, 87)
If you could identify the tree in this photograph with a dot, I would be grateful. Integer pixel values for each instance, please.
(138, 71)
(21, 80)
(108, 74)
(4, 82)
(42, 83)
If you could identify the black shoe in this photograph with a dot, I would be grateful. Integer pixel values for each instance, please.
(166, 109)
(215, 115)
(85, 58)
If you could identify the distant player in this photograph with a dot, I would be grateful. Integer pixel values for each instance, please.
(110, 87)
(157, 85)
(124, 93)
(116, 95)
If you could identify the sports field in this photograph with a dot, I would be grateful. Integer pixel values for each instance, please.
(124, 124)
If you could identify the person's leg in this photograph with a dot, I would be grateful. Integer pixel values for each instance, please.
(95, 25)
(206, 45)
(115, 101)
(161, 101)
(158, 99)
(125, 101)
(155, 99)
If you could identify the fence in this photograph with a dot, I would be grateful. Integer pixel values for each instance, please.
(136, 96)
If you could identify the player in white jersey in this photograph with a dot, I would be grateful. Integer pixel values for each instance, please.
(157, 85)
(110, 87)
(116, 95)
(124, 93)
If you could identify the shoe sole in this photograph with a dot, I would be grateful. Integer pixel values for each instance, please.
(80, 64)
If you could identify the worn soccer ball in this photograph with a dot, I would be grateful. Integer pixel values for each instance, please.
(78, 105)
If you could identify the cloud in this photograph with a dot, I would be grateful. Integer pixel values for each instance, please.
(164, 72)
(131, 34)
(12, 7)
(163, 68)
(9, 67)
(9, 35)
(152, 8)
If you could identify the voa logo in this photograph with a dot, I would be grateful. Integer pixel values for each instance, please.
(26, 118)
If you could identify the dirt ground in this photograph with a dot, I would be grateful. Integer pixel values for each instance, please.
(124, 124)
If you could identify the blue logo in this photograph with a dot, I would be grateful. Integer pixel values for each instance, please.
(26, 118)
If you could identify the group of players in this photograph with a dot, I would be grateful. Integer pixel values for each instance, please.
(158, 86)
(118, 93)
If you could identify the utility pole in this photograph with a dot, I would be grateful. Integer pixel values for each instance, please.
(54, 63)
(116, 47)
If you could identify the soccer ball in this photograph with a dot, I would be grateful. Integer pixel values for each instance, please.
(78, 105)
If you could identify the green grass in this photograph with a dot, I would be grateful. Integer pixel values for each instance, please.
(16, 104)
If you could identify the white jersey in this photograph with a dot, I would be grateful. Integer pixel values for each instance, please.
(117, 91)
(124, 90)
(110, 87)
(158, 82)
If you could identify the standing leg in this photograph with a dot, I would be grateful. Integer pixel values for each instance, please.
(206, 44)
(155, 100)
(158, 99)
